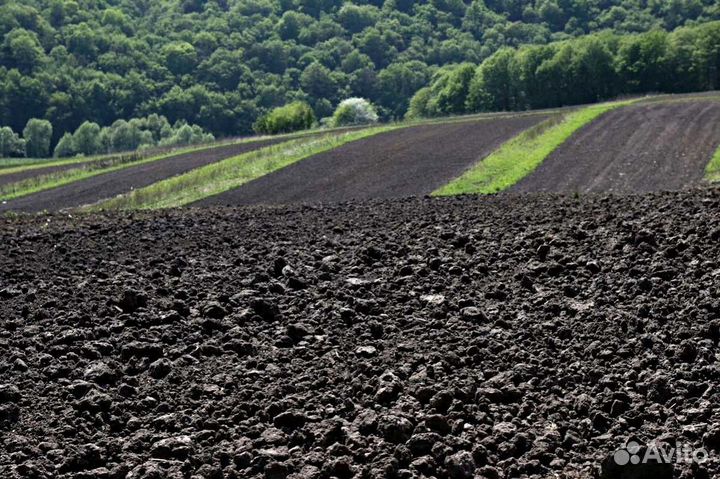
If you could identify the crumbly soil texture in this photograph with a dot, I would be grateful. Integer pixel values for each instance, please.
(652, 146)
(496, 337)
(108, 185)
(411, 161)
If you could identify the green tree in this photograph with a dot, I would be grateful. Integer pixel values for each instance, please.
(292, 117)
(65, 146)
(86, 139)
(491, 88)
(10, 143)
(452, 97)
(180, 57)
(23, 50)
(38, 135)
(316, 80)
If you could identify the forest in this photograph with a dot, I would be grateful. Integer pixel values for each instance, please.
(582, 70)
(219, 66)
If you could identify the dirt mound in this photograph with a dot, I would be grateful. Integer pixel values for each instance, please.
(107, 185)
(407, 162)
(642, 148)
(452, 338)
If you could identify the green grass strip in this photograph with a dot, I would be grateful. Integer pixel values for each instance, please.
(712, 170)
(216, 178)
(519, 156)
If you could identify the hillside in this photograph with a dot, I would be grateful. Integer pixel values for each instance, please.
(220, 64)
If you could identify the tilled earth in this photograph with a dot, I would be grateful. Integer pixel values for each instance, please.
(491, 338)
(411, 161)
(640, 148)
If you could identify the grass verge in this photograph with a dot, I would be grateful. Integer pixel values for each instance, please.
(519, 156)
(216, 178)
(712, 170)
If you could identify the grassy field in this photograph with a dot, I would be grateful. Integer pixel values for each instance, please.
(521, 155)
(233, 172)
(712, 171)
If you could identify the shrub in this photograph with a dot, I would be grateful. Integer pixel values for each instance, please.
(354, 111)
(292, 117)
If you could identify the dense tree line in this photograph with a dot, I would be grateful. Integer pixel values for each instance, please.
(92, 139)
(582, 70)
(222, 64)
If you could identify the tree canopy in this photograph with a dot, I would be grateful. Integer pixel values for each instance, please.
(582, 70)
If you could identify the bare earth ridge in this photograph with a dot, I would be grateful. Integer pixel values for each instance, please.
(636, 149)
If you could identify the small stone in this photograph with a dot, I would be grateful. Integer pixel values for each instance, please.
(297, 331)
(357, 282)
(131, 301)
(290, 419)
(20, 365)
(395, 429)
(422, 443)
(460, 465)
(341, 468)
(438, 423)
(95, 401)
(178, 447)
(711, 438)
(160, 368)
(267, 310)
(441, 401)
(471, 313)
(213, 310)
(296, 283)
(543, 251)
(688, 351)
(100, 373)
(80, 388)
(366, 351)
(9, 393)
(277, 470)
(433, 299)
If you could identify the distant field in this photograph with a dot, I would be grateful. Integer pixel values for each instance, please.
(406, 162)
(521, 155)
(640, 148)
(634, 145)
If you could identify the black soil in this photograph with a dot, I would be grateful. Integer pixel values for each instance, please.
(495, 337)
(407, 162)
(650, 147)
(107, 185)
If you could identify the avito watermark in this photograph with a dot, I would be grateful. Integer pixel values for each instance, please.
(659, 452)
